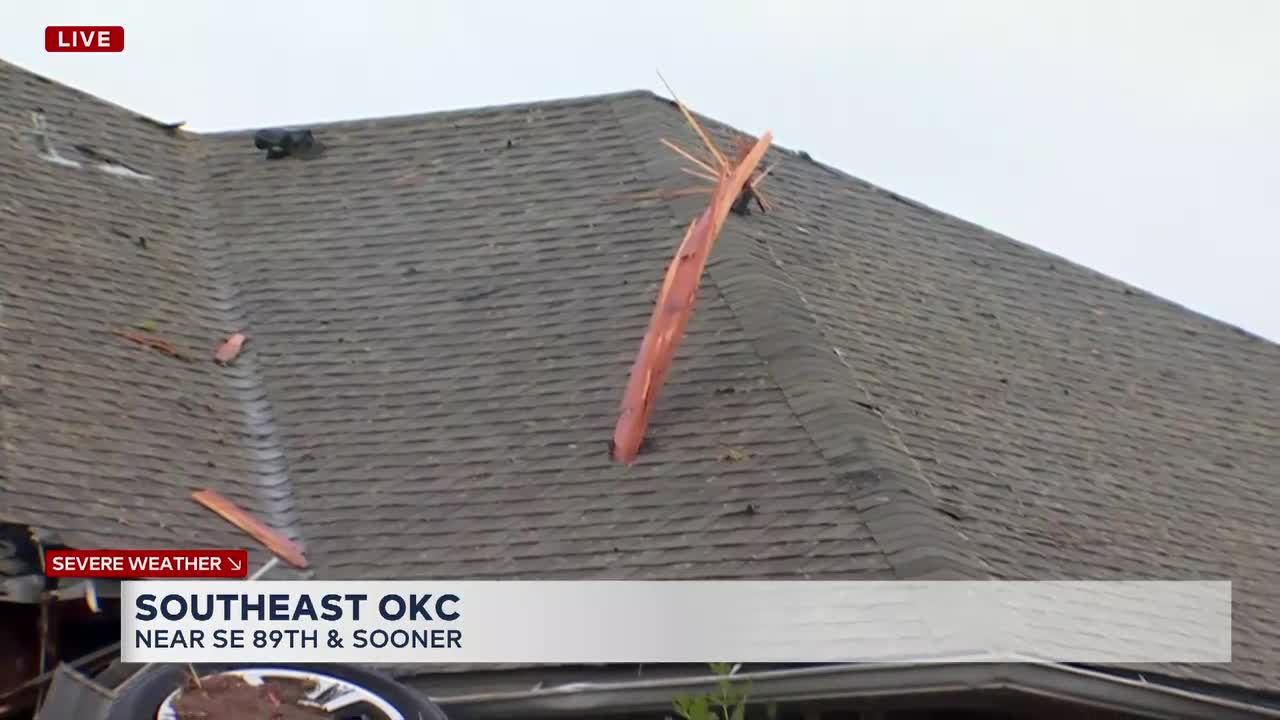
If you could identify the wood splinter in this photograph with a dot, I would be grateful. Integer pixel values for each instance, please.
(674, 306)
(163, 346)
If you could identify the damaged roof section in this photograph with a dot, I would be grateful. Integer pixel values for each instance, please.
(444, 311)
(46, 144)
(103, 436)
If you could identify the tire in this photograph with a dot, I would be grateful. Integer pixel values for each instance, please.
(141, 696)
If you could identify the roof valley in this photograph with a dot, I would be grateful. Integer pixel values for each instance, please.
(276, 500)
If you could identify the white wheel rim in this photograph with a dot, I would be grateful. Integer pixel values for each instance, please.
(330, 693)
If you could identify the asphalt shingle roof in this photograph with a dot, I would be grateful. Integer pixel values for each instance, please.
(442, 311)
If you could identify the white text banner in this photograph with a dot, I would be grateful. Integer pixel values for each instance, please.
(570, 622)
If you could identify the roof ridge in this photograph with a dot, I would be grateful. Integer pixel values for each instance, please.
(517, 106)
(892, 493)
(514, 106)
(159, 124)
(956, 220)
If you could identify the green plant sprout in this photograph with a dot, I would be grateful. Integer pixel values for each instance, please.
(727, 702)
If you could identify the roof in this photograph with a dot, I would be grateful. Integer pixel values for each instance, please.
(442, 310)
(860, 687)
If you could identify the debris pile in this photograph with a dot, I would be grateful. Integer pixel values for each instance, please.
(230, 697)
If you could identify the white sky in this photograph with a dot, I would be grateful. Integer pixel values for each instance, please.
(1141, 138)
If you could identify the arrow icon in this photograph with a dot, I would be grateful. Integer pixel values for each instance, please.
(235, 565)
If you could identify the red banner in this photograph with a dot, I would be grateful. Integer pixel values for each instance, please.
(147, 563)
(84, 38)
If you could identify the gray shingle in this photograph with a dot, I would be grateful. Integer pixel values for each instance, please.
(442, 310)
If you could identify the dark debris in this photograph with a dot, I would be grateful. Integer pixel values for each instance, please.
(281, 143)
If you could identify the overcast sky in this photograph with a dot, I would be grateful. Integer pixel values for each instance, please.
(1139, 138)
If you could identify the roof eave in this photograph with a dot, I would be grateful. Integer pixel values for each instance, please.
(866, 682)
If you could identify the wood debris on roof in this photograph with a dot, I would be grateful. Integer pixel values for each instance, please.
(679, 290)
(279, 545)
(154, 343)
(230, 349)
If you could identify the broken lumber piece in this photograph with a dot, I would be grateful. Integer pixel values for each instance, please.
(674, 306)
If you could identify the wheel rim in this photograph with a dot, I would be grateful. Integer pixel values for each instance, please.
(329, 693)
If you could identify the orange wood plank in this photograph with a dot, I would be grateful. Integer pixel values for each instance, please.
(281, 546)
(674, 307)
